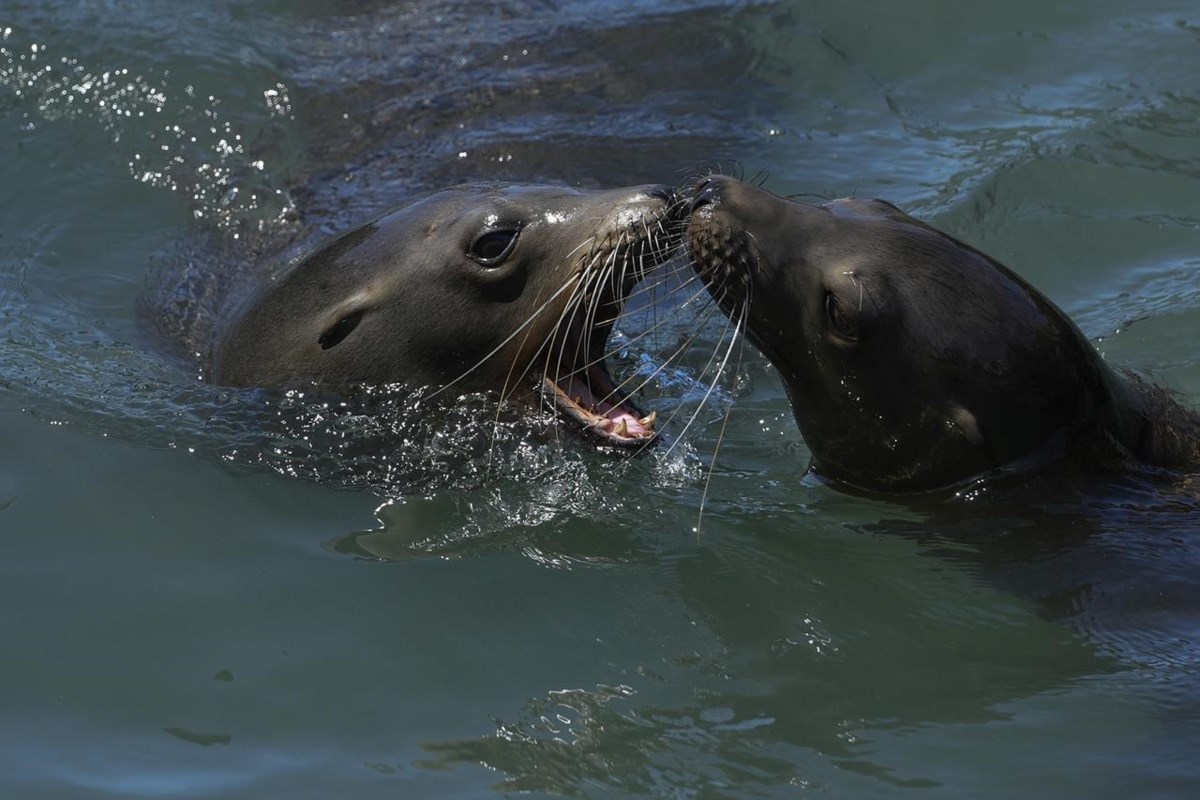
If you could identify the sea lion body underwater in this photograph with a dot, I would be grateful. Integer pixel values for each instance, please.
(503, 288)
(913, 361)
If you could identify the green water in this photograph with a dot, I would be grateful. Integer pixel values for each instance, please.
(201, 603)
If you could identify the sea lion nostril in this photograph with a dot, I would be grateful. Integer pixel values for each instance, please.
(665, 193)
(705, 194)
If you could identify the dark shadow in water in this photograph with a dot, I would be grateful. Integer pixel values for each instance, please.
(789, 693)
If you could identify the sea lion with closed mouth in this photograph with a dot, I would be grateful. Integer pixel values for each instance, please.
(503, 288)
(912, 360)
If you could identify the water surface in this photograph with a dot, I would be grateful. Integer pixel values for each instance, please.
(223, 594)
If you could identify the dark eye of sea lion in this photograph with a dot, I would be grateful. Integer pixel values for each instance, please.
(339, 330)
(845, 323)
(492, 247)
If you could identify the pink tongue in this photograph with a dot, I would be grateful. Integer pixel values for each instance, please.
(580, 390)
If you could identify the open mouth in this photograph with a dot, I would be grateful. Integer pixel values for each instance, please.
(590, 397)
(582, 386)
(584, 389)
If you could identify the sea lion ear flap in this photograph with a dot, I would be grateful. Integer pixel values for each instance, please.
(965, 422)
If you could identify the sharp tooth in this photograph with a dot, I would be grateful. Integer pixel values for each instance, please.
(623, 428)
(604, 423)
(577, 400)
(649, 420)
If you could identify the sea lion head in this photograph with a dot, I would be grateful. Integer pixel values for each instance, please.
(480, 287)
(912, 360)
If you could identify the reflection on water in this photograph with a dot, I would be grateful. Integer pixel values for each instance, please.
(172, 138)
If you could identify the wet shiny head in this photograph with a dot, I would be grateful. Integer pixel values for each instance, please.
(912, 360)
(481, 288)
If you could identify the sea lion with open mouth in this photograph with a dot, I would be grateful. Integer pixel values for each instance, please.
(503, 288)
(913, 361)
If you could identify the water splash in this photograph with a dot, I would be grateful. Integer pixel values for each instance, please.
(168, 134)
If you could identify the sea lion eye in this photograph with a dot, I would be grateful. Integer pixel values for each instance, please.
(845, 323)
(339, 330)
(492, 247)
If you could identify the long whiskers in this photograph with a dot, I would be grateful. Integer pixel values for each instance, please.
(701, 316)
(717, 373)
(567, 285)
